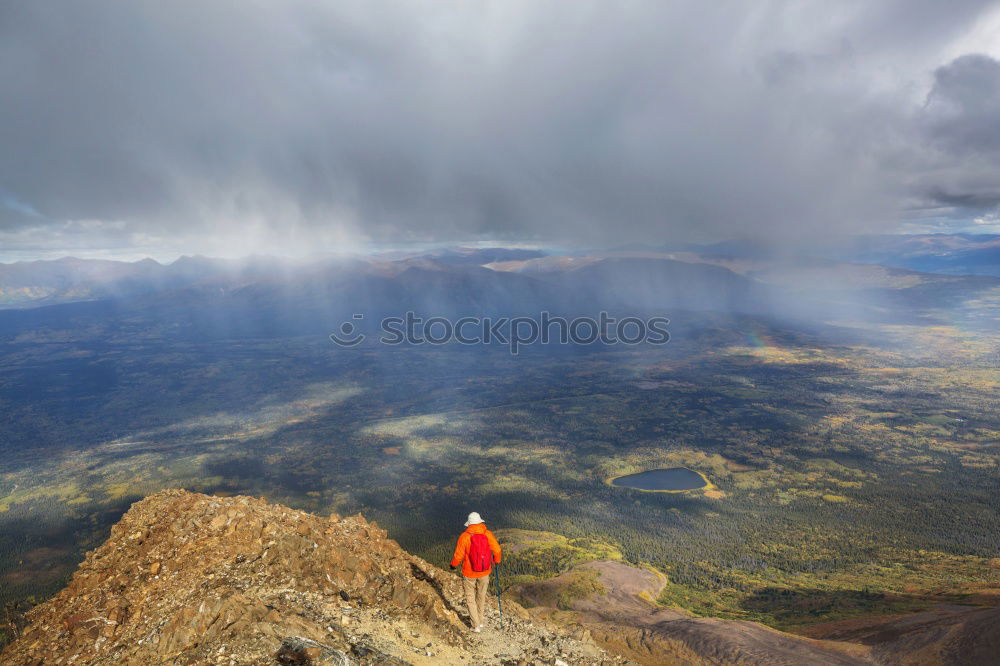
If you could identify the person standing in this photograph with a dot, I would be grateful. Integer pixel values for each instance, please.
(477, 551)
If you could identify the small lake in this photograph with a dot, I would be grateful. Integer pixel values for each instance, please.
(675, 478)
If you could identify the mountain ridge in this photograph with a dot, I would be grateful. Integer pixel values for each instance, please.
(187, 578)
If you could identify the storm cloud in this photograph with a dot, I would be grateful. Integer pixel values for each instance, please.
(296, 125)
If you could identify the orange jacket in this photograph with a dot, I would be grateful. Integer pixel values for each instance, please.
(462, 550)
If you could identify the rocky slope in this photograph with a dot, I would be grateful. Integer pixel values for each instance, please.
(192, 579)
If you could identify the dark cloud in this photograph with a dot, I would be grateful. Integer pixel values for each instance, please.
(963, 107)
(294, 124)
(961, 120)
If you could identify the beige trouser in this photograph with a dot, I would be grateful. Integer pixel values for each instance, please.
(475, 597)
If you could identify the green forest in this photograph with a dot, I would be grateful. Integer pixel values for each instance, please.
(851, 473)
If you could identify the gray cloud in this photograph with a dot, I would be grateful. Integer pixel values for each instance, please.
(961, 120)
(270, 124)
(963, 107)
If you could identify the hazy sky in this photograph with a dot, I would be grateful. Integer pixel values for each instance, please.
(228, 127)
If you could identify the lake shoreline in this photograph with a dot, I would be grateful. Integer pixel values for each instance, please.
(708, 485)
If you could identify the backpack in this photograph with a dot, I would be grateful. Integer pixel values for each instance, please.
(480, 555)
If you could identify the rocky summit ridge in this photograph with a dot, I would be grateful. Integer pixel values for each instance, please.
(187, 578)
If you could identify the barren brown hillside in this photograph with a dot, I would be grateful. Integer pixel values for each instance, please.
(193, 579)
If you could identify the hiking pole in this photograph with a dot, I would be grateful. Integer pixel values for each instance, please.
(499, 605)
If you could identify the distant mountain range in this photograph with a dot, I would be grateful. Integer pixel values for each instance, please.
(268, 295)
(953, 254)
